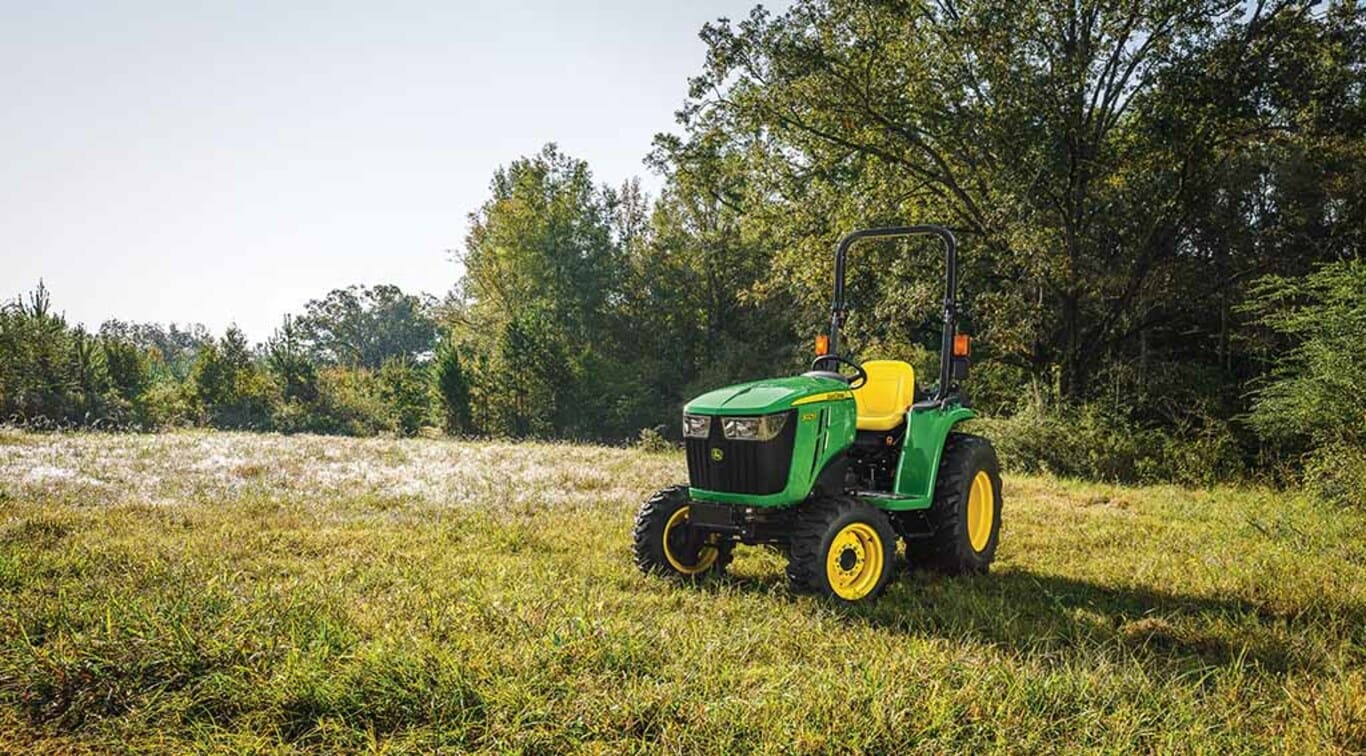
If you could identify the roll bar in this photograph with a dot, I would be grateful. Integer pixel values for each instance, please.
(838, 309)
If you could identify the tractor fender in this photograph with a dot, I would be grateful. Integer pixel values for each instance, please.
(924, 447)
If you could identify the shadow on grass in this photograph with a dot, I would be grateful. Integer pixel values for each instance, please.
(1024, 611)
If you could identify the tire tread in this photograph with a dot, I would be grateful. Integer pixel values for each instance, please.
(812, 521)
(647, 545)
(949, 552)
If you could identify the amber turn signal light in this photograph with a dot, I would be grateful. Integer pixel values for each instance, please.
(962, 345)
(822, 345)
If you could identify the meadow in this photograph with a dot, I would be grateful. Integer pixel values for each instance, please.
(228, 591)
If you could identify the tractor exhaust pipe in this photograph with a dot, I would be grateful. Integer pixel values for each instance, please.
(837, 307)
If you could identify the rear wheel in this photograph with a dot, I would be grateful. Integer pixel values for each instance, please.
(966, 515)
(664, 544)
(841, 548)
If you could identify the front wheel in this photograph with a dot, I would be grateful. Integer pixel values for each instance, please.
(665, 545)
(966, 514)
(841, 548)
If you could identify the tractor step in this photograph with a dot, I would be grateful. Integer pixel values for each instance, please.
(890, 501)
(887, 495)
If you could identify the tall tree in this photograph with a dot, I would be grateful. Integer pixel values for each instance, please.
(542, 277)
(287, 361)
(231, 390)
(361, 326)
(1071, 144)
(452, 388)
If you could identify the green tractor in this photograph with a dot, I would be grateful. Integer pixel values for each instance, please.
(833, 466)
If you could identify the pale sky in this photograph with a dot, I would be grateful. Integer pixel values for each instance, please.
(215, 163)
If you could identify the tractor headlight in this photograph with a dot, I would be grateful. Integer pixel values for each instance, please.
(753, 428)
(696, 426)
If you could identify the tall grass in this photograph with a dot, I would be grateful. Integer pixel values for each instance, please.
(242, 592)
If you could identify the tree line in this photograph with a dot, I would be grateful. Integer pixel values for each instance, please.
(358, 361)
(1160, 209)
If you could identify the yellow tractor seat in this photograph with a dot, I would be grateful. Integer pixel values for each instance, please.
(883, 400)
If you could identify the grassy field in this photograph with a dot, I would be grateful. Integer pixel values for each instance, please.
(238, 592)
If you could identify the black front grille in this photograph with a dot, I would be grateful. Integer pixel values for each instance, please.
(745, 467)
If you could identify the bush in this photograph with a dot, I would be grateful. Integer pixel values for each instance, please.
(452, 388)
(406, 389)
(1196, 456)
(164, 404)
(1076, 443)
(1316, 398)
(349, 403)
(1336, 473)
(1092, 442)
(653, 440)
(361, 402)
(230, 389)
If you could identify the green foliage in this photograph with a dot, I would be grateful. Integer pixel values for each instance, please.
(1336, 472)
(230, 389)
(452, 388)
(350, 402)
(145, 377)
(171, 349)
(1116, 172)
(128, 367)
(166, 404)
(541, 266)
(1120, 175)
(1317, 389)
(1315, 396)
(361, 326)
(290, 365)
(1096, 442)
(584, 314)
(652, 441)
(37, 366)
(54, 375)
(407, 391)
(292, 370)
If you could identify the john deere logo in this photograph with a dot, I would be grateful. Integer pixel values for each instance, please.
(717, 455)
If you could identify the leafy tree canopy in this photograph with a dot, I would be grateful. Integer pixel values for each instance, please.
(363, 326)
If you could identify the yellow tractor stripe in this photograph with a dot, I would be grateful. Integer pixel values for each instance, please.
(828, 396)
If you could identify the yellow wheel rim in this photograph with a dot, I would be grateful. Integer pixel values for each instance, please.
(706, 556)
(854, 562)
(981, 510)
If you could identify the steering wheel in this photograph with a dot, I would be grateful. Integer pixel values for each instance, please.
(859, 378)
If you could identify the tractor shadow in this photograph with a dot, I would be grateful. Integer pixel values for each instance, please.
(1028, 612)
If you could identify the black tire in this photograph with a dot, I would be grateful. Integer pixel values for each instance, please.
(820, 526)
(952, 547)
(652, 532)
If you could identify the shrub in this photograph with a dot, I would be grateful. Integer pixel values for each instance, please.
(290, 366)
(164, 404)
(230, 389)
(452, 388)
(1316, 397)
(406, 389)
(1336, 473)
(1093, 442)
(128, 367)
(43, 379)
(349, 402)
(653, 440)
(1196, 456)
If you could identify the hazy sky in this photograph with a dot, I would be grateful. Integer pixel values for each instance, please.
(178, 161)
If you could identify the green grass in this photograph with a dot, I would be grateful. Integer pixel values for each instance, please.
(210, 591)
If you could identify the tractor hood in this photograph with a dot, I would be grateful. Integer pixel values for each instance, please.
(768, 395)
